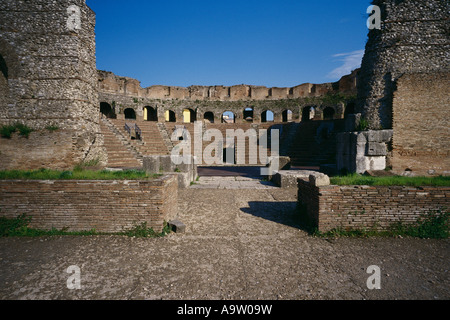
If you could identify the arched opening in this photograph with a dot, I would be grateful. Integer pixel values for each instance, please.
(209, 117)
(4, 88)
(308, 113)
(170, 116)
(287, 116)
(267, 116)
(349, 109)
(328, 113)
(107, 110)
(130, 114)
(248, 114)
(150, 114)
(228, 117)
(189, 116)
(3, 67)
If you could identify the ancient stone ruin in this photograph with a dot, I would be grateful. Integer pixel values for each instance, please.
(77, 114)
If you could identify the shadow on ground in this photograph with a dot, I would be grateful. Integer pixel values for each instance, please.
(287, 213)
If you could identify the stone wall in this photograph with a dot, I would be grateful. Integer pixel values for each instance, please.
(367, 207)
(421, 143)
(106, 206)
(122, 93)
(414, 38)
(51, 77)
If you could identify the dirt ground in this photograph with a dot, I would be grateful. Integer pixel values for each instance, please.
(239, 244)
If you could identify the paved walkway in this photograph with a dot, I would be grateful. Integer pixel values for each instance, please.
(239, 244)
(232, 183)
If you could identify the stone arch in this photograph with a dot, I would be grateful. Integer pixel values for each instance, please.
(228, 117)
(130, 114)
(308, 113)
(107, 110)
(329, 113)
(267, 116)
(9, 61)
(208, 117)
(349, 109)
(150, 114)
(189, 116)
(287, 116)
(3, 67)
(170, 116)
(249, 114)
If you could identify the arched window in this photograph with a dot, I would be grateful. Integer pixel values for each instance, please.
(209, 117)
(328, 113)
(130, 114)
(308, 113)
(248, 114)
(228, 117)
(267, 116)
(189, 116)
(107, 110)
(150, 114)
(170, 116)
(287, 116)
(3, 67)
(349, 109)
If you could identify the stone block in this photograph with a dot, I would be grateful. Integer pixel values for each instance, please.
(287, 179)
(177, 226)
(151, 164)
(319, 179)
(376, 149)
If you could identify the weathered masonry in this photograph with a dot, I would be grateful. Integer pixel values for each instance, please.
(106, 206)
(124, 98)
(48, 79)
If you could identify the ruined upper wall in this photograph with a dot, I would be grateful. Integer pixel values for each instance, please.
(414, 38)
(111, 83)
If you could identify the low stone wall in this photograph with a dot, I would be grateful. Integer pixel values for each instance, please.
(366, 207)
(106, 206)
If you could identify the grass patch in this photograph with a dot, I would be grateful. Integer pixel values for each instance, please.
(356, 179)
(19, 227)
(79, 174)
(8, 130)
(433, 225)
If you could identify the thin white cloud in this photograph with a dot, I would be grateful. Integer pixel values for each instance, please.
(351, 61)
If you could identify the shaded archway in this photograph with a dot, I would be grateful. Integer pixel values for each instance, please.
(349, 109)
(267, 116)
(209, 117)
(248, 114)
(170, 116)
(189, 116)
(130, 114)
(3, 67)
(150, 114)
(328, 113)
(107, 110)
(308, 113)
(287, 116)
(228, 117)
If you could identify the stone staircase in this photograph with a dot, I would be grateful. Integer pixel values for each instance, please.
(151, 142)
(119, 151)
(314, 143)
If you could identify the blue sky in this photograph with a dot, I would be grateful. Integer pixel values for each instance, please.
(280, 43)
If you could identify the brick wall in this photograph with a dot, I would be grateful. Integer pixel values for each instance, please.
(422, 143)
(107, 206)
(358, 207)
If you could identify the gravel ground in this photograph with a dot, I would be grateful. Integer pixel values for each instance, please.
(239, 244)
